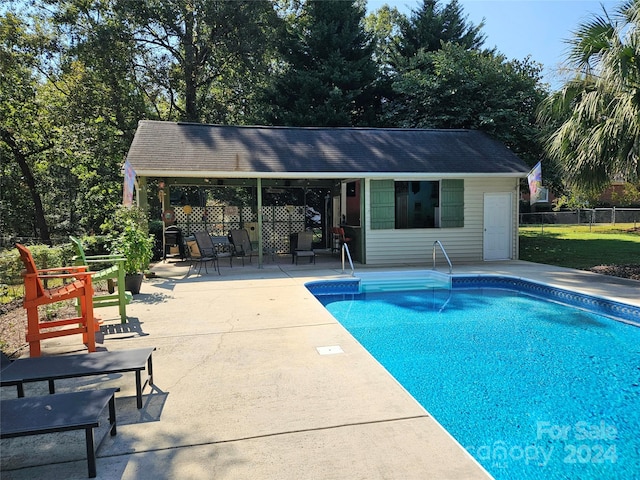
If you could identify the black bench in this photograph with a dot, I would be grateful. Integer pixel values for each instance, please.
(59, 413)
(38, 369)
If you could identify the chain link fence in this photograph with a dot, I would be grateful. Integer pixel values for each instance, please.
(583, 216)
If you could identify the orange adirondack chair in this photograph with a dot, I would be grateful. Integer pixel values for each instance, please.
(78, 286)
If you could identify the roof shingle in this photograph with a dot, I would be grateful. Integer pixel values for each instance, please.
(189, 149)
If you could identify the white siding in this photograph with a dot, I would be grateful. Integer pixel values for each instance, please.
(463, 245)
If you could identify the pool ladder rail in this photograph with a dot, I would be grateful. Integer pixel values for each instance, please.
(439, 244)
(345, 251)
(347, 254)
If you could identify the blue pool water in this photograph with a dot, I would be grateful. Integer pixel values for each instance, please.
(533, 389)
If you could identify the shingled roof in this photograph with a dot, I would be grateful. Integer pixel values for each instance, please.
(197, 150)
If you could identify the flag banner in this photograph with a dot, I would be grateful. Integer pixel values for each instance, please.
(129, 182)
(537, 193)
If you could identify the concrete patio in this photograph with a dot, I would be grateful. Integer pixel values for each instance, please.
(242, 391)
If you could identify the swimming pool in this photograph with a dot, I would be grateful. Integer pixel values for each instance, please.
(533, 389)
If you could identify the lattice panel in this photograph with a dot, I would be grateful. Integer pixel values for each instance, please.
(278, 222)
(215, 219)
(276, 235)
(280, 213)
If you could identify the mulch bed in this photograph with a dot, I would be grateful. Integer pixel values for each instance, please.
(624, 271)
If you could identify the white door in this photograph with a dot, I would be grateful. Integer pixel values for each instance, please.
(498, 222)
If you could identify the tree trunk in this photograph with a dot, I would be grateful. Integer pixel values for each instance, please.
(21, 158)
(190, 67)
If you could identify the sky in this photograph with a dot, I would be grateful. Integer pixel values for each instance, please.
(518, 28)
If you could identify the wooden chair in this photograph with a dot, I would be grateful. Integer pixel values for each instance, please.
(113, 274)
(78, 285)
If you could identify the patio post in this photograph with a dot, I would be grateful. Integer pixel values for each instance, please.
(259, 197)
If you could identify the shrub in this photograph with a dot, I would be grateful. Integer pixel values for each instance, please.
(11, 266)
(130, 238)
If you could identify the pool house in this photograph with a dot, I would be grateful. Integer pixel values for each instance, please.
(394, 191)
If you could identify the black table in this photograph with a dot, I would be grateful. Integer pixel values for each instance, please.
(38, 369)
(59, 413)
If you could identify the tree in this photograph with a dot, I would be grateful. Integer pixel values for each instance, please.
(403, 41)
(431, 26)
(92, 108)
(458, 88)
(24, 134)
(596, 114)
(193, 60)
(328, 74)
(194, 52)
(384, 27)
(95, 124)
(77, 76)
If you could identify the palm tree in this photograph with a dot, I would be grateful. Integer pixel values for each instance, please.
(596, 114)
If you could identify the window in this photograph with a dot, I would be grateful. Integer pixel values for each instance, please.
(417, 204)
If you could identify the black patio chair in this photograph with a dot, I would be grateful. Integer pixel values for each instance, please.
(207, 252)
(242, 247)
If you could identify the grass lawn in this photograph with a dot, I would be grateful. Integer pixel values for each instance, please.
(581, 246)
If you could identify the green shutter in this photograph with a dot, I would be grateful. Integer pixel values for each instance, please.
(382, 204)
(452, 203)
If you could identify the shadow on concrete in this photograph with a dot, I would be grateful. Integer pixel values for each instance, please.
(133, 328)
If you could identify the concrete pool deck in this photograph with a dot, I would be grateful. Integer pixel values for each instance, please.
(243, 389)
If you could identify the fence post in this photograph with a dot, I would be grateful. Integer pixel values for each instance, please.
(613, 215)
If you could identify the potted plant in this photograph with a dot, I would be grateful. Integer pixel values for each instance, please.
(130, 238)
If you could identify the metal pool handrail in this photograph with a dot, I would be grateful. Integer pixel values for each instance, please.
(345, 248)
(438, 243)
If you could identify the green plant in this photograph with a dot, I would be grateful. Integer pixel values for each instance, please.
(629, 196)
(45, 256)
(10, 267)
(571, 201)
(95, 245)
(131, 239)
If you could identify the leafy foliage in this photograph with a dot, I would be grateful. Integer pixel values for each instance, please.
(25, 133)
(458, 88)
(597, 113)
(629, 197)
(11, 266)
(130, 238)
(191, 56)
(432, 25)
(77, 76)
(329, 73)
